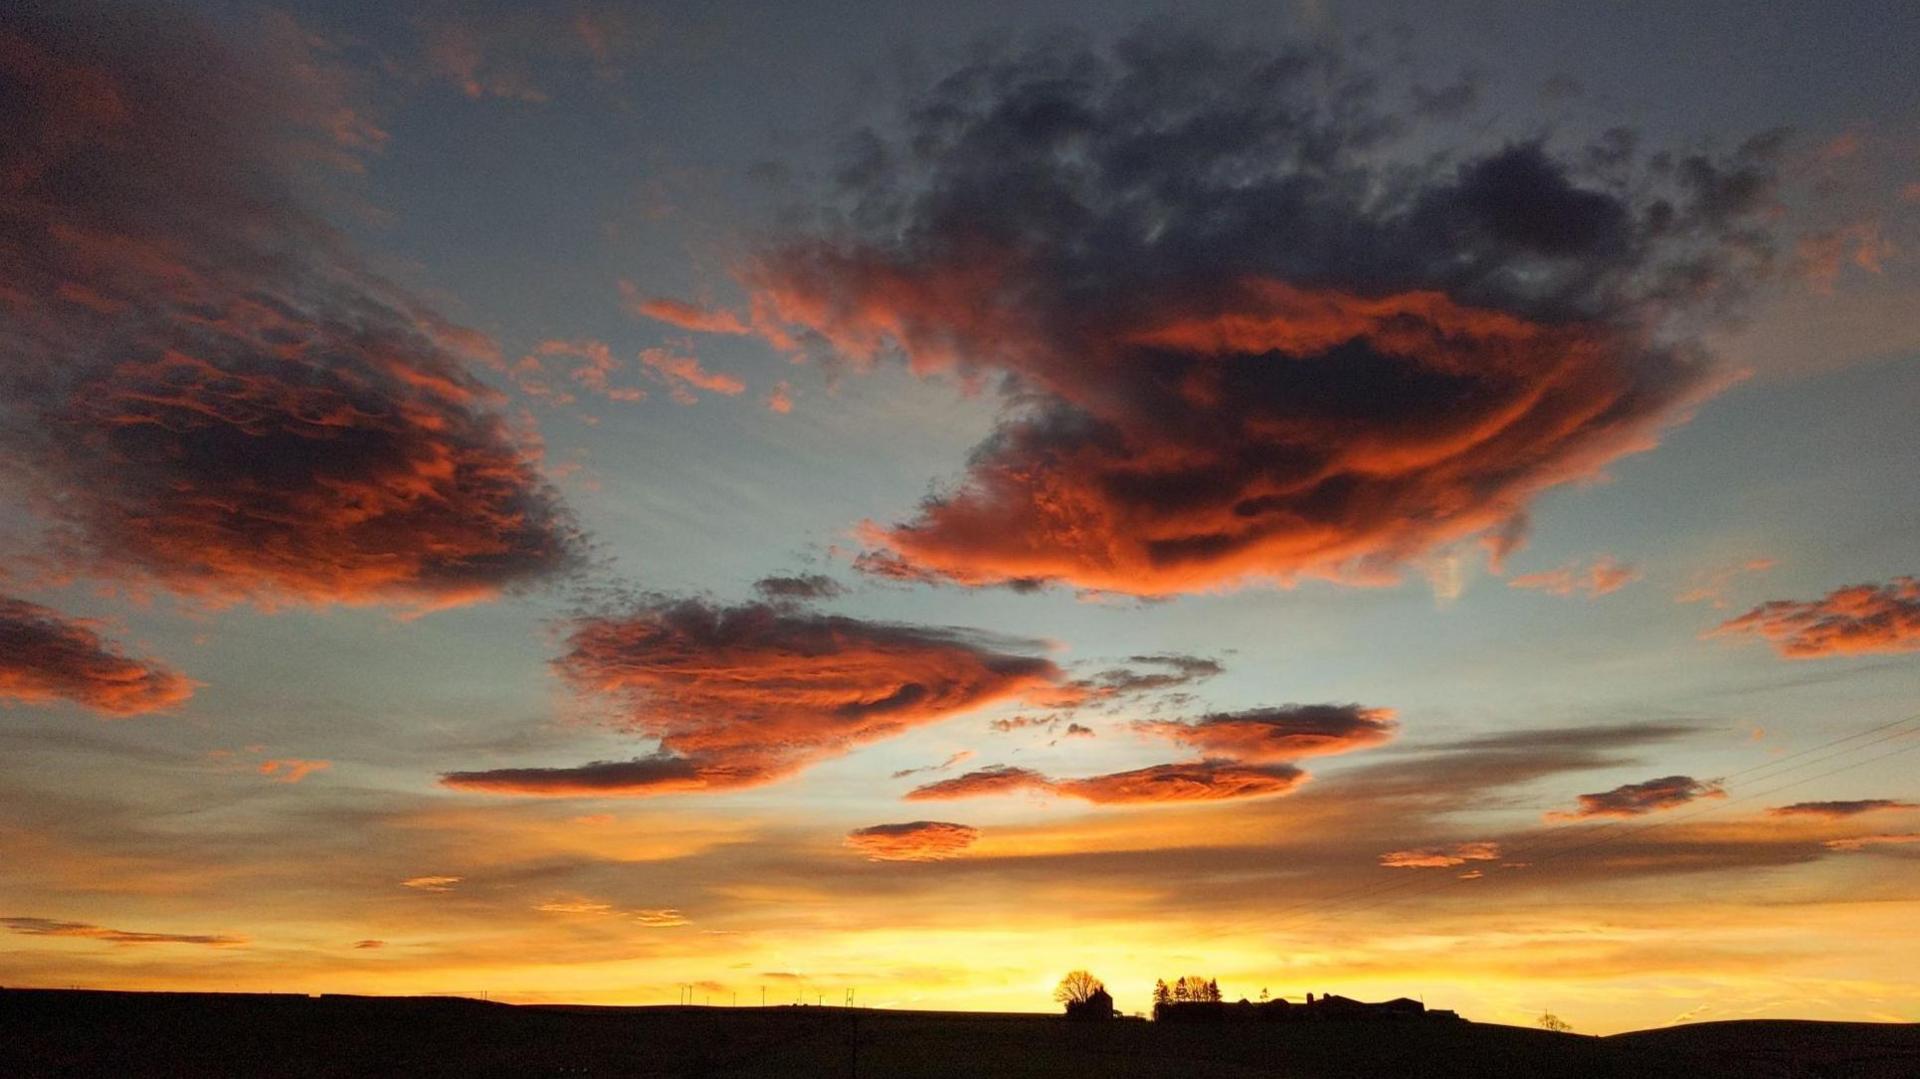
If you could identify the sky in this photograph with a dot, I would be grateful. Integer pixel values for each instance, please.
(574, 501)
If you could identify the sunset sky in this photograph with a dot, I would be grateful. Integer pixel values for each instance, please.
(572, 500)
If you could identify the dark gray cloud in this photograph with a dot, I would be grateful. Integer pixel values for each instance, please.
(46, 656)
(203, 388)
(1241, 334)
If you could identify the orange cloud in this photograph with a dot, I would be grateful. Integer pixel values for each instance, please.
(683, 375)
(1600, 577)
(1280, 734)
(915, 841)
(203, 390)
(1636, 799)
(744, 696)
(781, 399)
(1189, 781)
(47, 927)
(1442, 858)
(1840, 810)
(1225, 368)
(687, 316)
(431, 884)
(1861, 619)
(1864, 842)
(292, 769)
(1712, 585)
(45, 656)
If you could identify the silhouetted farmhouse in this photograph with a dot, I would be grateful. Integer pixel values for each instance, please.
(1098, 1005)
(1326, 1007)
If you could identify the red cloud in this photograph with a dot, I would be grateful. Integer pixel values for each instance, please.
(48, 927)
(683, 375)
(1432, 858)
(1602, 576)
(678, 313)
(45, 656)
(1280, 734)
(1247, 357)
(1189, 781)
(203, 390)
(1861, 619)
(744, 696)
(1839, 810)
(916, 841)
(1635, 799)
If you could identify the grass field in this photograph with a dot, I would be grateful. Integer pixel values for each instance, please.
(67, 1033)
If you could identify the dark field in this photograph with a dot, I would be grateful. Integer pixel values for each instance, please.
(52, 1032)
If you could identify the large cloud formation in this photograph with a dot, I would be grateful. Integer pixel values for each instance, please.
(45, 656)
(743, 696)
(1241, 335)
(1639, 799)
(914, 841)
(202, 389)
(1861, 619)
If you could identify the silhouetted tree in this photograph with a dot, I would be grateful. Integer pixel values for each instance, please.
(1077, 987)
(1161, 994)
(1550, 1021)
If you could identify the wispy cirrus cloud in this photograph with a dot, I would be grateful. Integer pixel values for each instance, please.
(431, 883)
(1840, 810)
(1861, 619)
(1600, 577)
(46, 656)
(205, 390)
(1638, 799)
(1868, 842)
(1442, 857)
(1186, 781)
(744, 696)
(913, 841)
(48, 927)
(1238, 346)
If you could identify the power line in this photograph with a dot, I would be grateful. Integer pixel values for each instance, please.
(1639, 830)
(1777, 765)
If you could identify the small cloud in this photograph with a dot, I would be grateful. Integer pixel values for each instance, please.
(1637, 799)
(659, 917)
(914, 841)
(1600, 577)
(1711, 586)
(1442, 857)
(1075, 730)
(46, 656)
(805, 586)
(431, 884)
(48, 927)
(1839, 810)
(1863, 842)
(369, 944)
(956, 758)
(683, 375)
(574, 906)
(687, 316)
(1861, 619)
(781, 399)
(292, 769)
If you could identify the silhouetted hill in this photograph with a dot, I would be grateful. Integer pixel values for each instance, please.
(78, 1033)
